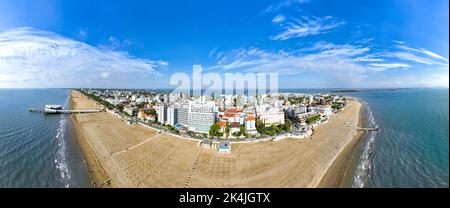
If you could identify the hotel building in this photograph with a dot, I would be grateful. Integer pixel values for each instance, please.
(162, 113)
(171, 115)
(201, 116)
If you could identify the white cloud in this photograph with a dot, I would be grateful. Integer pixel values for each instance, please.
(409, 57)
(42, 57)
(115, 44)
(418, 55)
(384, 66)
(83, 33)
(212, 52)
(278, 19)
(105, 74)
(306, 26)
(439, 80)
(340, 63)
(283, 4)
(330, 61)
(434, 55)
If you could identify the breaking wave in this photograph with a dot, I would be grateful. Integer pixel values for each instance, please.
(61, 159)
(364, 167)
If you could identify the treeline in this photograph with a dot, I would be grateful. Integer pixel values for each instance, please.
(99, 100)
(337, 106)
(313, 119)
(273, 129)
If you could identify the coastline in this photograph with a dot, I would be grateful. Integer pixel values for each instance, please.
(97, 173)
(341, 166)
(136, 156)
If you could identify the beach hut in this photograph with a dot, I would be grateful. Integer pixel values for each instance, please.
(224, 147)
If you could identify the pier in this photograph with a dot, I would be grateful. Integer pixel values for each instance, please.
(52, 111)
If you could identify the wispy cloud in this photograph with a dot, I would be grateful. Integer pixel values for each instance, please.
(345, 63)
(306, 26)
(278, 19)
(114, 43)
(83, 33)
(212, 52)
(282, 4)
(385, 66)
(421, 51)
(42, 57)
(335, 61)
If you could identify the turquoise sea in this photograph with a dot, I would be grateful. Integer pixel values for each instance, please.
(411, 147)
(409, 150)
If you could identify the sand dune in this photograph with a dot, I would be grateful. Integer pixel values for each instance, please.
(135, 156)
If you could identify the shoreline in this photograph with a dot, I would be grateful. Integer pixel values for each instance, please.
(341, 166)
(119, 153)
(97, 173)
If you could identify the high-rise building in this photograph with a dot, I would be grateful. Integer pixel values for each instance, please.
(201, 116)
(182, 114)
(162, 113)
(171, 115)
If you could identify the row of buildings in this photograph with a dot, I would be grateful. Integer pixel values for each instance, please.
(236, 112)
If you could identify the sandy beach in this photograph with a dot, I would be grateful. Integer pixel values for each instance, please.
(136, 156)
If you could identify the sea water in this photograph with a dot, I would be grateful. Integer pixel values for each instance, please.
(411, 147)
(38, 150)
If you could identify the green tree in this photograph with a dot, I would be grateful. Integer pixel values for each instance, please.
(242, 129)
(261, 129)
(287, 125)
(312, 119)
(227, 130)
(275, 128)
(271, 133)
(141, 105)
(214, 130)
(336, 106)
(151, 112)
(119, 107)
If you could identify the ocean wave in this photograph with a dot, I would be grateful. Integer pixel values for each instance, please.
(363, 169)
(61, 160)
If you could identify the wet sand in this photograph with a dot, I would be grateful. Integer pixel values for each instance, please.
(136, 156)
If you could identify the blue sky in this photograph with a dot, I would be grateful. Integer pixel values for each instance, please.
(140, 44)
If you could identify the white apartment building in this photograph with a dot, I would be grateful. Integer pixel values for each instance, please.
(278, 104)
(250, 125)
(201, 116)
(171, 115)
(162, 113)
(182, 114)
(271, 116)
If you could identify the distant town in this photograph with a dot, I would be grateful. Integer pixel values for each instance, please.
(224, 117)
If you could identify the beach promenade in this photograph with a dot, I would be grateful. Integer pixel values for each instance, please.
(136, 156)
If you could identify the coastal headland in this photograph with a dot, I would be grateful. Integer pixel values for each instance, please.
(122, 155)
